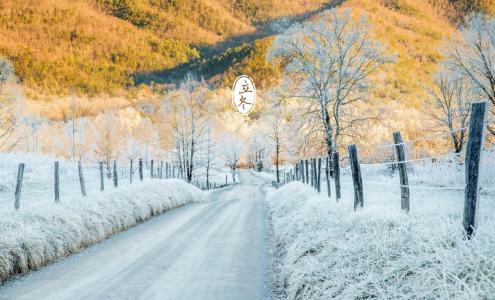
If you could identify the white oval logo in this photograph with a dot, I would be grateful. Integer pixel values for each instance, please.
(244, 94)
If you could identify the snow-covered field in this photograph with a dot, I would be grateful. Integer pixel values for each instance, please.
(330, 251)
(42, 231)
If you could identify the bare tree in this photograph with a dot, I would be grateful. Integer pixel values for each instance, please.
(6, 72)
(275, 121)
(232, 150)
(189, 110)
(452, 97)
(329, 61)
(210, 147)
(106, 138)
(473, 56)
(9, 116)
(257, 150)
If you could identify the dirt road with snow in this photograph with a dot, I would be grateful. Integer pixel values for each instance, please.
(211, 250)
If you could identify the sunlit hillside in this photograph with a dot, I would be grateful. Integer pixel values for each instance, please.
(101, 46)
(413, 32)
(113, 50)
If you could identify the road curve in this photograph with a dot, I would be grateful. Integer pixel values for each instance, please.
(211, 250)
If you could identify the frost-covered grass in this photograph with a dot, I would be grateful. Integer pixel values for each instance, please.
(42, 231)
(330, 251)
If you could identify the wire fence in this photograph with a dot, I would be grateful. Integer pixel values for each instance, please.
(43, 180)
(471, 170)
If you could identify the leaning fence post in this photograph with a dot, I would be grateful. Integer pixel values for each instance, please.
(336, 174)
(57, 181)
(102, 179)
(474, 148)
(115, 178)
(81, 178)
(18, 186)
(141, 169)
(404, 182)
(356, 176)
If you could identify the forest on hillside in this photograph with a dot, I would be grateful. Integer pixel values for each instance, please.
(118, 47)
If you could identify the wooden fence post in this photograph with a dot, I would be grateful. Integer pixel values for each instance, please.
(312, 175)
(315, 174)
(131, 172)
(109, 172)
(327, 176)
(151, 170)
(474, 148)
(226, 180)
(141, 169)
(161, 169)
(302, 172)
(18, 186)
(115, 178)
(57, 182)
(319, 175)
(356, 177)
(404, 182)
(336, 174)
(81, 178)
(102, 179)
(307, 171)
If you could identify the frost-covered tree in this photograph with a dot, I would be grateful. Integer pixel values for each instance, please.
(189, 112)
(452, 97)
(257, 150)
(209, 153)
(473, 56)
(9, 114)
(232, 151)
(6, 72)
(328, 62)
(107, 138)
(276, 128)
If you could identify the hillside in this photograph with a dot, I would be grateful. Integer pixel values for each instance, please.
(100, 46)
(111, 47)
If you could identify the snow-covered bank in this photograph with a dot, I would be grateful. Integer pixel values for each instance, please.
(330, 251)
(43, 232)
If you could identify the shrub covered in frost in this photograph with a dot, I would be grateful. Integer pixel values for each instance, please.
(42, 232)
(330, 251)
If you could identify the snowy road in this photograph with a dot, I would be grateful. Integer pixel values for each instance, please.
(211, 250)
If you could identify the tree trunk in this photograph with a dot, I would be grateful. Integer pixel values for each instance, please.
(277, 162)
